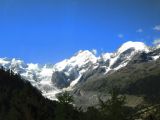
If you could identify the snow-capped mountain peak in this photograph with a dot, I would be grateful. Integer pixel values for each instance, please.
(83, 57)
(138, 46)
(3, 61)
(106, 56)
(78, 60)
(69, 73)
(32, 66)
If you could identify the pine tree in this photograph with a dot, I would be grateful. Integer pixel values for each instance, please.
(113, 109)
(65, 98)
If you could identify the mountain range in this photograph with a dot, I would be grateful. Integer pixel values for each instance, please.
(88, 76)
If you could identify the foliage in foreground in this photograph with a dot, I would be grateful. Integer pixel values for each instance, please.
(19, 100)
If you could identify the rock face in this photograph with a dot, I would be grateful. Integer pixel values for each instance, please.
(85, 74)
(85, 64)
(71, 70)
(139, 80)
(60, 79)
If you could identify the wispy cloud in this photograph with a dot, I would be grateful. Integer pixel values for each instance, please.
(157, 28)
(156, 41)
(120, 35)
(140, 30)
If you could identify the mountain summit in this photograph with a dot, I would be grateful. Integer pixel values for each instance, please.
(137, 46)
(77, 70)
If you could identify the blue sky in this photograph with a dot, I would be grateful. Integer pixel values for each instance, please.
(47, 31)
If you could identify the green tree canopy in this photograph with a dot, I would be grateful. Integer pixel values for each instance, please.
(65, 98)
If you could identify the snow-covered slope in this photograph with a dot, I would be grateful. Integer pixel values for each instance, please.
(74, 67)
(52, 79)
(79, 60)
(137, 46)
(39, 76)
(83, 61)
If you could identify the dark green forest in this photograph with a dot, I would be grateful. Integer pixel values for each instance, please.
(19, 100)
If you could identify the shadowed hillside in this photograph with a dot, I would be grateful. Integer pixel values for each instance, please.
(19, 100)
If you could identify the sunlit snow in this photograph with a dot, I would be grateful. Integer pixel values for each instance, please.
(40, 76)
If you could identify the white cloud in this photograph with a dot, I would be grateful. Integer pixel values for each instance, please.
(139, 30)
(94, 51)
(156, 41)
(120, 35)
(157, 28)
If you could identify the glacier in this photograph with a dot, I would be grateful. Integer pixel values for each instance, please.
(73, 68)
